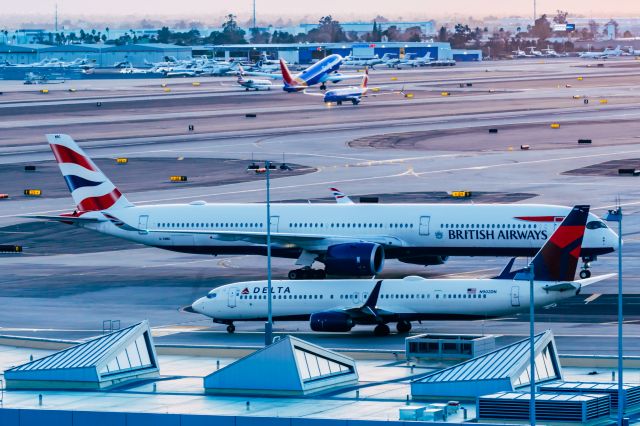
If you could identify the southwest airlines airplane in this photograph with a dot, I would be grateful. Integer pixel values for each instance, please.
(351, 239)
(323, 71)
(339, 305)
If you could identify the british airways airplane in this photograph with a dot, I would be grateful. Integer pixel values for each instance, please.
(350, 239)
(339, 305)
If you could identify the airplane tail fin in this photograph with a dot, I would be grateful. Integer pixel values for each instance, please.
(90, 188)
(365, 79)
(558, 258)
(286, 74)
(240, 72)
(340, 197)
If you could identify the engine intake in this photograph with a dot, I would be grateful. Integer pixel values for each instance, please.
(331, 321)
(354, 259)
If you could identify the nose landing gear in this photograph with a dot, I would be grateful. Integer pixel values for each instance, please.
(586, 265)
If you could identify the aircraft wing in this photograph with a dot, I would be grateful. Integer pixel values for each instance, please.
(274, 76)
(311, 93)
(339, 77)
(311, 242)
(368, 312)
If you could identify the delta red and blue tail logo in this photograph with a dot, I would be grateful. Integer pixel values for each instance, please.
(558, 259)
(90, 188)
(245, 291)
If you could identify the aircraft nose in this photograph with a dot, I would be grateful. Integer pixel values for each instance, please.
(198, 305)
(612, 240)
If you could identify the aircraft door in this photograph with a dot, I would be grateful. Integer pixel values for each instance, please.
(231, 300)
(424, 225)
(557, 220)
(143, 224)
(515, 296)
(275, 221)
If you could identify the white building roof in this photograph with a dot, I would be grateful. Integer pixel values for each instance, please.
(288, 367)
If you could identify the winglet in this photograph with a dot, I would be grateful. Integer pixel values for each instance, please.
(372, 300)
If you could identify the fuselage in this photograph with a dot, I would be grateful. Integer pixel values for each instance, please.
(411, 230)
(347, 94)
(409, 299)
(316, 73)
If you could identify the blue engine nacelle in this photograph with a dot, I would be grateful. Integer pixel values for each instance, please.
(331, 321)
(354, 259)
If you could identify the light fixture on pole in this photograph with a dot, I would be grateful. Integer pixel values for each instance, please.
(532, 350)
(616, 216)
(268, 326)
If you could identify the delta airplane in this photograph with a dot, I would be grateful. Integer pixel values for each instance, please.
(350, 239)
(339, 305)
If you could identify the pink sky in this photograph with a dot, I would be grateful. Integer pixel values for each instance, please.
(209, 10)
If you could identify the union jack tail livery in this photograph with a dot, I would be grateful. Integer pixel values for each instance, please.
(90, 188)
(558, 258)
(340, 197)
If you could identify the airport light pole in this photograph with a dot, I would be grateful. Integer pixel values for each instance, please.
(268, 326)
(616, 216)
(532, 351)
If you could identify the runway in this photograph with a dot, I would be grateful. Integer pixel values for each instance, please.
(69, 280)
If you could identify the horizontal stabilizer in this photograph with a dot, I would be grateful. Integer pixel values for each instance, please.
(561, 287)
(68, 219)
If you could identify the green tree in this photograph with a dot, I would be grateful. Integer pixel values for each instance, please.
(442, 34)
(541, 29)
(328, 31)
(164, 35)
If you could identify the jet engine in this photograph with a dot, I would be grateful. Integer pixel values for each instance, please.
(331, 321)
(354, 259)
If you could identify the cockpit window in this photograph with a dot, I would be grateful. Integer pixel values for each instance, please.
(211, 295)
(595, 224)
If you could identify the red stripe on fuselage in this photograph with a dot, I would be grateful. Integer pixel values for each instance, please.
(540, 218)
(66, 155)
(100, 203)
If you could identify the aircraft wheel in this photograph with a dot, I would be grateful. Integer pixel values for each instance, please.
(585, 273)
(339, 103)
(355, 102)
(246, 89)
(403, 327)
(381, 330)
(231, 328)
(323, 87)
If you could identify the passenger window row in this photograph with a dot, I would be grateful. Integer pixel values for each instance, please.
(208, 225)
(488, 226)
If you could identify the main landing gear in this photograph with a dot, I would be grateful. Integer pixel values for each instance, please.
(231, 328)
(585, 272)
(403, 327)
(381, 330)
(323, 86)
(307, 274)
